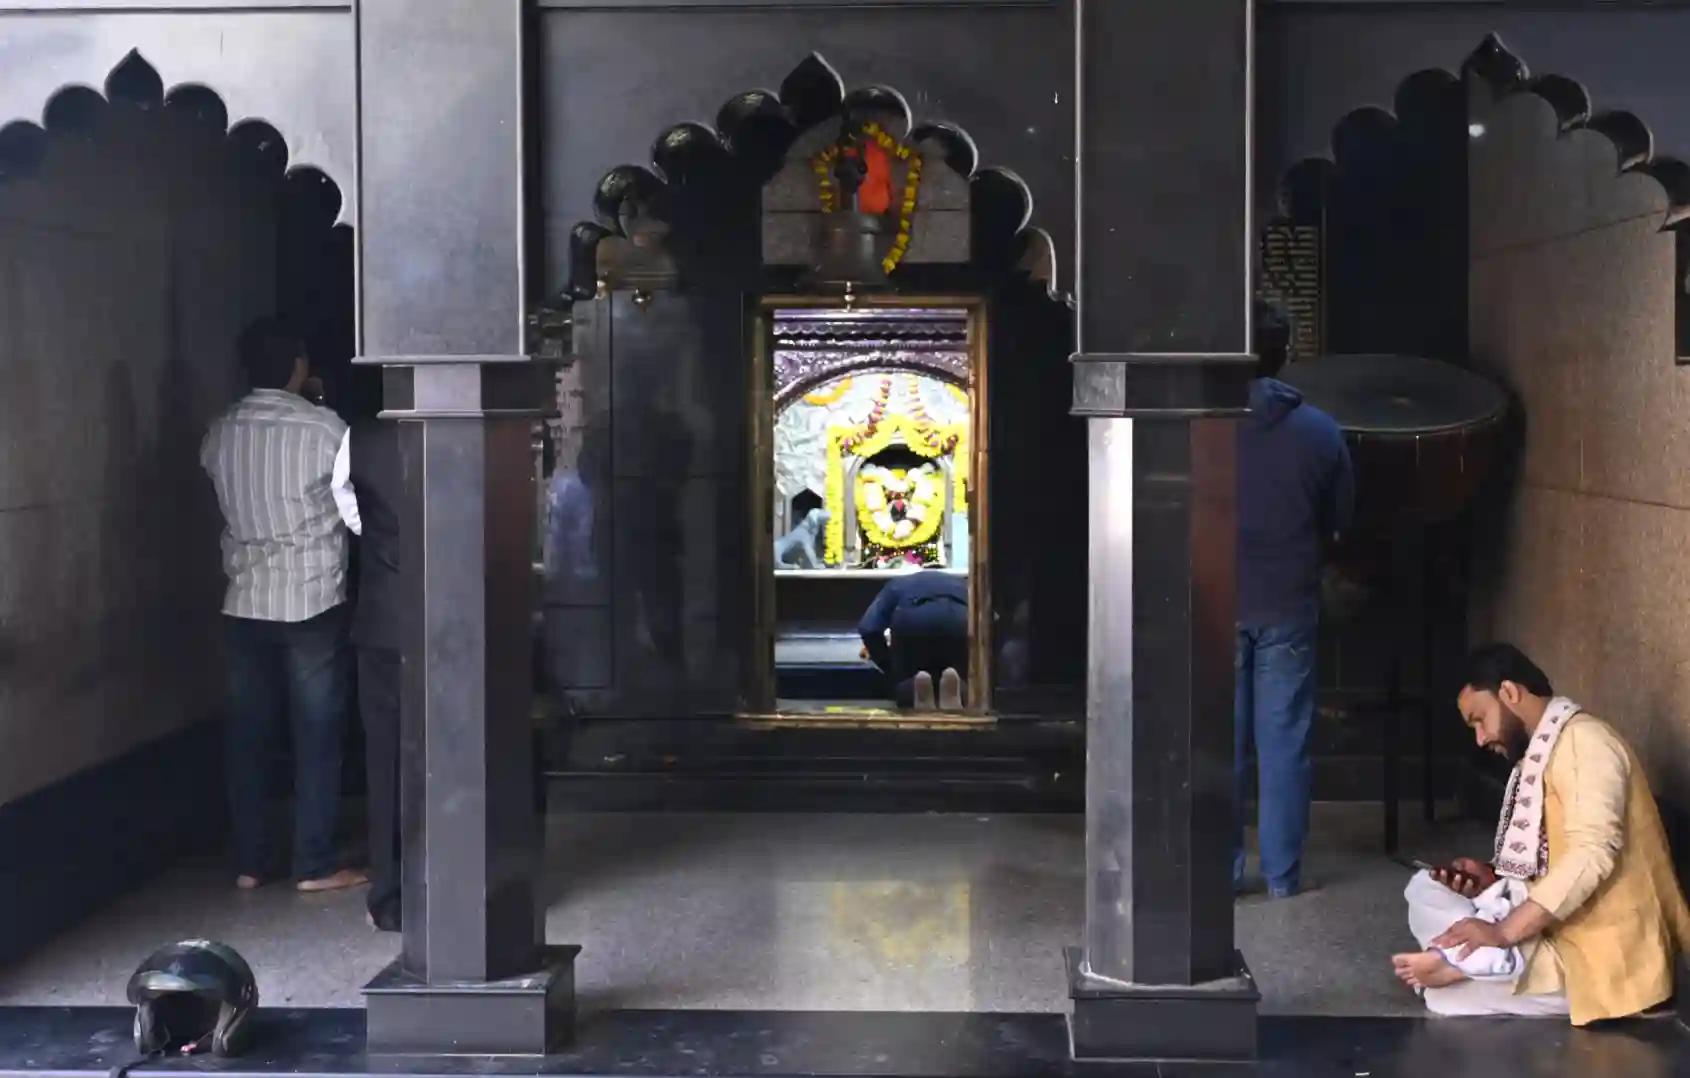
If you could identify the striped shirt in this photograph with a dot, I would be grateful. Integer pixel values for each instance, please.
(272, 458)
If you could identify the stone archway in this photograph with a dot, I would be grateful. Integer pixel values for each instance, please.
(314, 240)
(659, 281)
(754, 133)
(1423, 135)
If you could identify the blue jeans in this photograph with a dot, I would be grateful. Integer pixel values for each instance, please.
(299, 674)
(1274, 709)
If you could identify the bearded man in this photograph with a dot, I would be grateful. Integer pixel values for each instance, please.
(1579, 913)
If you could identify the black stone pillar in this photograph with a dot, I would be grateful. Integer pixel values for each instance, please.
(442, 303)
(1163, 110)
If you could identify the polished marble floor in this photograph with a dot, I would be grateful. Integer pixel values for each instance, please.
(88, 1042)
(788, 912)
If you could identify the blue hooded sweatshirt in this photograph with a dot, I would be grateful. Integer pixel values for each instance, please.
(1295, 488)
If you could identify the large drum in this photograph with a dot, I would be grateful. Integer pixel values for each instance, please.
(1422, 433)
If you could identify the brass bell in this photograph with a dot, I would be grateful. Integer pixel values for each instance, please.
(848, 251)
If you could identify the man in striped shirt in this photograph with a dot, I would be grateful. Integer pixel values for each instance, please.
(278, 463)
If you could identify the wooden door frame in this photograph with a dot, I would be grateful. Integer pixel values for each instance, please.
(760, 694)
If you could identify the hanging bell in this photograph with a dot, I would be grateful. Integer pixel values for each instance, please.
(849, 248)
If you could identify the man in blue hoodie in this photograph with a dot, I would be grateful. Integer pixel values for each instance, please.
(1296, 492)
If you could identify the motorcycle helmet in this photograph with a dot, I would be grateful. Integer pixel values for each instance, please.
(193, 996)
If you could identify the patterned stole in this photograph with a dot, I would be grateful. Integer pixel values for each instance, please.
(1522, 845)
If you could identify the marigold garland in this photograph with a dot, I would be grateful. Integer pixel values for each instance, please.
(925, 430)
(824, 397)
(928, 495)
(866, 441)
(828, 191)
(833, 490)
(960, 461)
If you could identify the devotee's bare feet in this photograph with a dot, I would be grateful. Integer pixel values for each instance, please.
(248, 883)
(1426, 969)
(340, 881)
(950, 690)
(924, 692)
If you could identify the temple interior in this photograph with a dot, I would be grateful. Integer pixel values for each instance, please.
(733, 465)
(873, 418)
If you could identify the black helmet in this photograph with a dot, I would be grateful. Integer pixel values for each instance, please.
(193, 996)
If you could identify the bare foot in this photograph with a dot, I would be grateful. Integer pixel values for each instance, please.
(950, 690)
(923, 690)
(1425, 969)
(248, 883)
(340, 881)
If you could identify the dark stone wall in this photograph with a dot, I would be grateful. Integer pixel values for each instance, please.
(650, 613)
(131, 253)
(76, 844)
(611, 81)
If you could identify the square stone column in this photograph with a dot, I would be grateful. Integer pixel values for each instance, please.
(443, 282)
(1163, 183)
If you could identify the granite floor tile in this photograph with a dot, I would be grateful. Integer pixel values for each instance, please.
(789, 912)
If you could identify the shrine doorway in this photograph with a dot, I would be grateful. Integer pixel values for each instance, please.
(869, 463)
(734, 316)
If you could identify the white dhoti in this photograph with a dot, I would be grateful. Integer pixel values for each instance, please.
(1491, 971)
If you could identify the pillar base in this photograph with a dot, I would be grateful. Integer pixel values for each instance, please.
(1213, 1021)
(529, 1015)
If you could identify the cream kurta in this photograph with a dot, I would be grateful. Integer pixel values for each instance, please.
(1621, 919)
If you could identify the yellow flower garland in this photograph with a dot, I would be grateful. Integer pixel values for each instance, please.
(828, 194)
(925, 529)
(822, 165)
(960, 462)
(833, 534)
(825, 397)
(912, 185)
(867, 441)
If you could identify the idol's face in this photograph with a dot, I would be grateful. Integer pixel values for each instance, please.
(1496, 725)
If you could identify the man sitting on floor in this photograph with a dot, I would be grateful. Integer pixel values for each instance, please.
(1580, 913)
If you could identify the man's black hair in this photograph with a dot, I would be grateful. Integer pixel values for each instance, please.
(269, 348)
(1272, 336)
(1489, 666)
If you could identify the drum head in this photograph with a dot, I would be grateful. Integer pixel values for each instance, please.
(1386, 395)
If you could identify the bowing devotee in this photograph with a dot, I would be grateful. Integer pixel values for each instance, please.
(925, 615)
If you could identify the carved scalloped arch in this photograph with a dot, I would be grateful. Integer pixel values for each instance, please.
(1634, 152)
(136, 82)
(1506, 74)
(1361, 122)
(1634, 144)
(810, 94)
